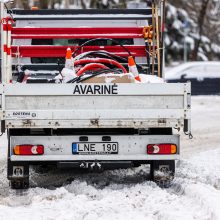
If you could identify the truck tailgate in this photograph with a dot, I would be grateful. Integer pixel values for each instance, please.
(95, 105)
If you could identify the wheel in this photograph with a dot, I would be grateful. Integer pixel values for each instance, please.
(19, 184)
(162, 172)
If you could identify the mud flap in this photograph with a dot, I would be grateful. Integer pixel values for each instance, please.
(162, 172)
(18, 174)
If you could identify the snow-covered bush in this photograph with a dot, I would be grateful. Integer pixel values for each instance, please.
(181, 29)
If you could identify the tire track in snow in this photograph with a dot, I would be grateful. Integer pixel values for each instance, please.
(207, 197)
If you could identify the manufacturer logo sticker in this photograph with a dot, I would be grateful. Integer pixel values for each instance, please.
(21, 115)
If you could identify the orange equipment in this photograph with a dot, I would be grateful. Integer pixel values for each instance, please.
(133, 68)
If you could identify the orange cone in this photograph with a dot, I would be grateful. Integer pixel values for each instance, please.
(69, 59)
(68, 53)
(133, 68)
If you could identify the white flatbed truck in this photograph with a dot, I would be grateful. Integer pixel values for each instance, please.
(86, 125)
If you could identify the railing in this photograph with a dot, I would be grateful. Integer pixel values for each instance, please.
(18, 33)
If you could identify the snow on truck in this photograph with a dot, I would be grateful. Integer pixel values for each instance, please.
(84, 89)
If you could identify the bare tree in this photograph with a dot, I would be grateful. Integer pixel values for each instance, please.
(201, 12)
(67, 4)
(51, 4)
(201, 22)
(44, 4)
(20, 4)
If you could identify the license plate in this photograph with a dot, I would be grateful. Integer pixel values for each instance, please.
(95, 148)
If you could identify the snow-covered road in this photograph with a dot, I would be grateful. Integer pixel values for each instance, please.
(125, 194)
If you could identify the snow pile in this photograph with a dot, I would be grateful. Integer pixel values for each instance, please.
(188, 198)
(6, 1)
(41, 72)
(125, 194)
(197, 169)
(216, 48)
(67, 75)
(150, 79)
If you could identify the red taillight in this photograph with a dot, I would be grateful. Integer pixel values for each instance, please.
(29, 149)
(161, 149)
(34, 8)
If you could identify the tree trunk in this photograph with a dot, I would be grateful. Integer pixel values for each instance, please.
(201, 20)
(44, 4)
(67, 4)
(93, 4)
(124, 4)
(21, 4)
(51, 4)
(83, 4)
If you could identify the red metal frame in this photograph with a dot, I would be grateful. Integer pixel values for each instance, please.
(60, 51)
(81, 32)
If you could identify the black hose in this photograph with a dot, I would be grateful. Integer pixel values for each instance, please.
(106, 54)
(109, 55)
(78, 78)
(95, 73)
(97, 39)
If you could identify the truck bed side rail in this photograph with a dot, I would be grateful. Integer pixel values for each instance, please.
(80, 14)
(60, 51)
(77, 33)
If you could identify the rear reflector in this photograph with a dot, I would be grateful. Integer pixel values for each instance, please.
(161, 149)
(29, 149)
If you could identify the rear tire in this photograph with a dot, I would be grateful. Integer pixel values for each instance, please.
(162, 172)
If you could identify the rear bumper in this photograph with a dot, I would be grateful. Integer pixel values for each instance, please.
(59, 148)
(56, 158)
